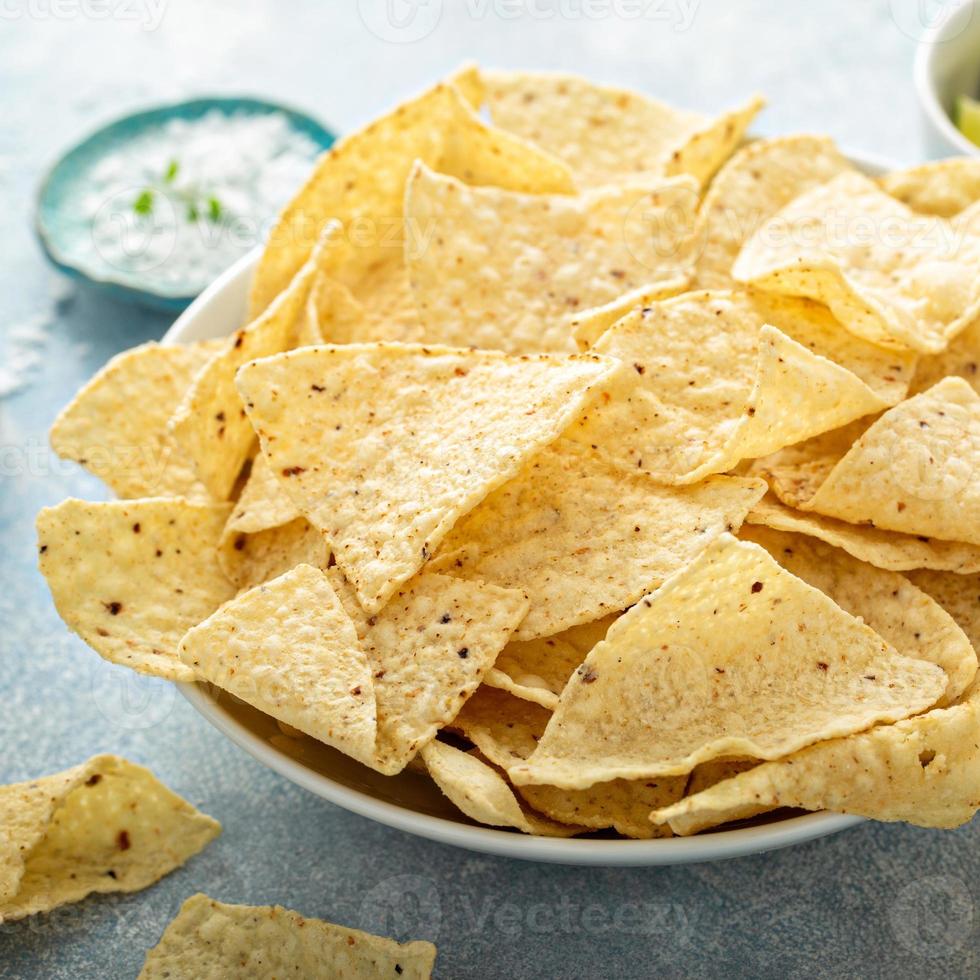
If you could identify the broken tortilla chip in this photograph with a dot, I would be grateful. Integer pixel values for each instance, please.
(116, 426)
(385, 447)
(607, 134)
(715, 380)
(107, 825)
(288, 648)
(732, 656)
(482, 254)
(265, 534)
(959, 595)
(923, 770)
(884, 549)
(913, 470)
(757, 182)
(211, 939)
(538, 670)
(583, 539)
(942, 187)
(482, 793)
(909, 619)
(506, 730)
(893, 276)
(960, 359)
(130, 577)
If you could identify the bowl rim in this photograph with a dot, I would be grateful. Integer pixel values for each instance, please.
(927, 51)
(712, 846)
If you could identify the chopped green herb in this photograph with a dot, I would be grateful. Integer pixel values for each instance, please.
(144, 203)
(214, 209)
(171, 173)
(192, 213)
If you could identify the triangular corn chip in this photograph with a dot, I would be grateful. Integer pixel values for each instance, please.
(912, 622)
(210, 423)
(107, 825)
(130, 577)
(507, 730)
(583, 539)
(116, 426)
(482, 793)
(923, 770)
(360, 180)
(713, 382)
(891, 275)
(884, 549)
(385, 447)
(211, 939)
(913, 470)
(265, 534)
(941, 187)
(288, 648)
(607, 134)
(959, 595)
(500, 270)
(429, 649)
(538, 670)
(759, 180)
(733, 656)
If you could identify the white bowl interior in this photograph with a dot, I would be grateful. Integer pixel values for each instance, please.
(948, 65)
(410, 801)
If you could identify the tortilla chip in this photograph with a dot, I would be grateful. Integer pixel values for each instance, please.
(116, 426)
(923, 770)
(130, 577)
(913, 470)
(538, 670)
(960, 359)
(959, 595)
(699, 398)
(759, 180)
(482, 793)
(607, 134)
(265, 534)
(884, 549)
(732, 656)
(589, 326)
(429, 649)
(288, 648)
(895, 277)
(210, 423)
(385, 447)
(360, 180)
(211, 939)
(483, 256)
(583, 539)
(905, 616)
(107, 825)
(713, 772)
(941, 187)
(507, 730)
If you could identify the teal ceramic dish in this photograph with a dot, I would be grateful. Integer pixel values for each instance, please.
(65, 228)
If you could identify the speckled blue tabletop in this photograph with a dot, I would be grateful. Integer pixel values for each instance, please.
(876, 901)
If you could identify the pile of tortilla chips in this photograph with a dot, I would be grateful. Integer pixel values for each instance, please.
(623, 477)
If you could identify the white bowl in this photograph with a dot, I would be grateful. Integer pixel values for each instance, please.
(410, 801)
(947, 64)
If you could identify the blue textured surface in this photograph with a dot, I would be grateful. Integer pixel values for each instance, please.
(878, 901)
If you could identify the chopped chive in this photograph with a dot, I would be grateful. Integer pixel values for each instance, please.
(192, 213)
(144, 203)
(171, 173)
(214, 209)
